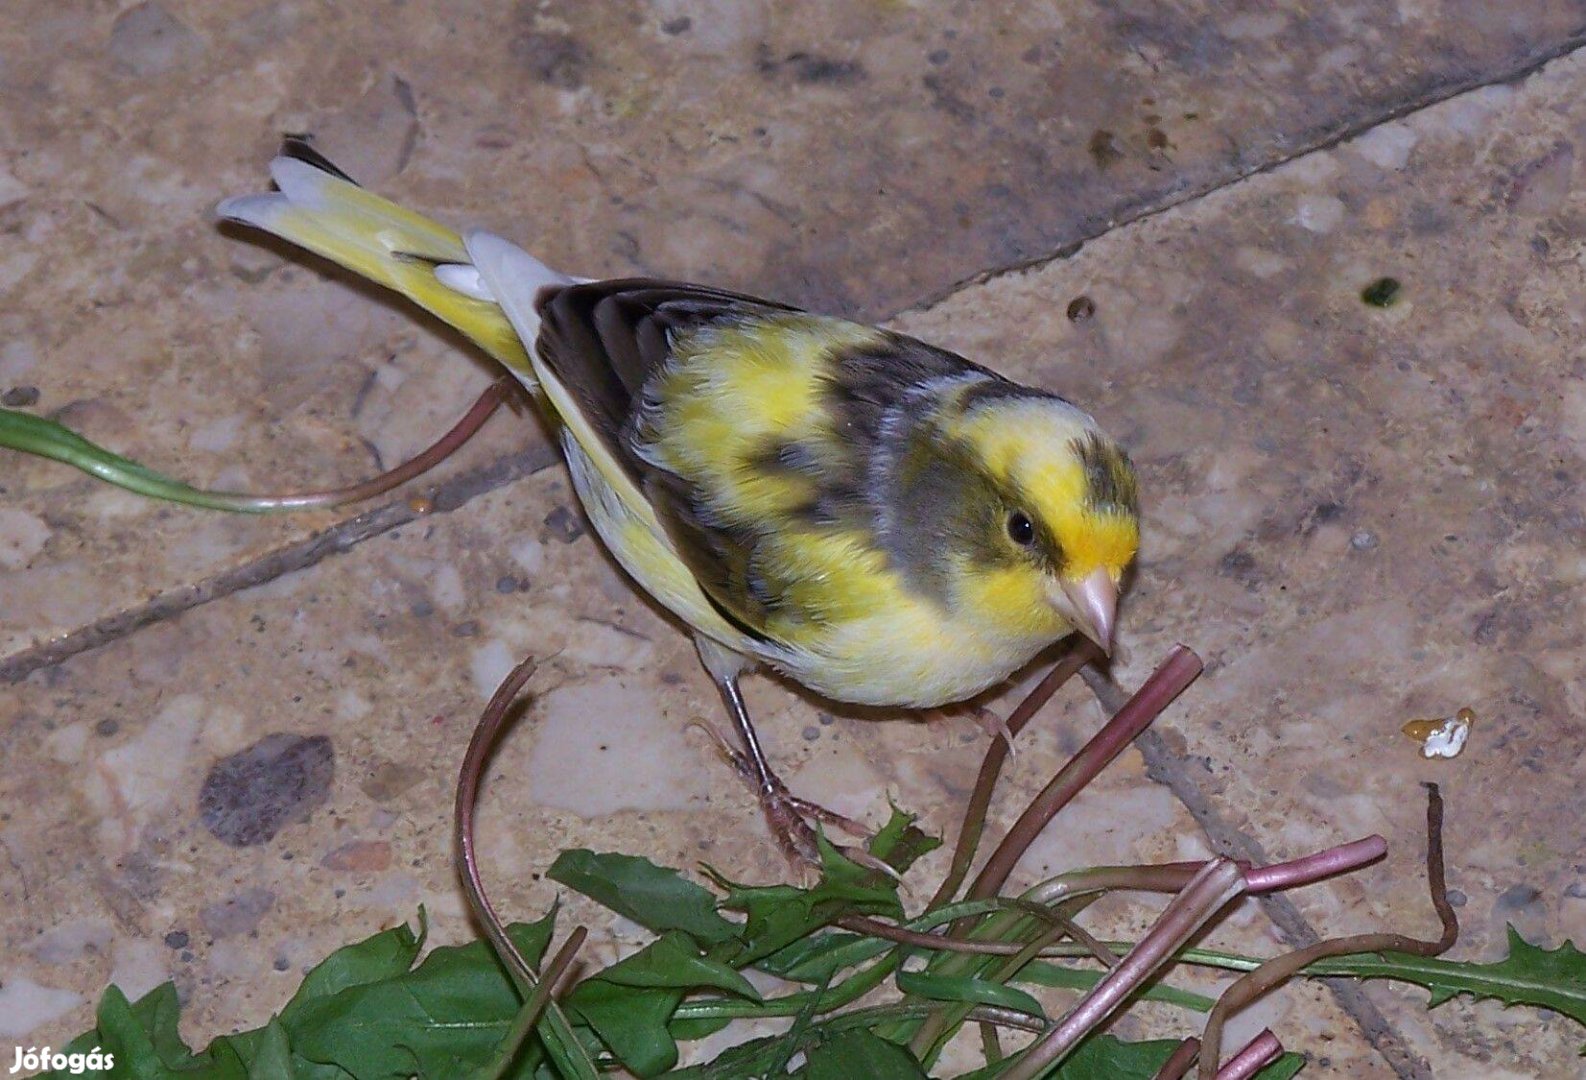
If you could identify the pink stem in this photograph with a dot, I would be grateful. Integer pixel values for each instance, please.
(1260, 1052)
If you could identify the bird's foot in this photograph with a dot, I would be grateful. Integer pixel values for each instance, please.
(792, 818)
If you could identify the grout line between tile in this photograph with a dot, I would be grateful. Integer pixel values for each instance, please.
(1316, 140)
(449, 495)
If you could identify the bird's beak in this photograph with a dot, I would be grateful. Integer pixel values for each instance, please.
(1091, 605)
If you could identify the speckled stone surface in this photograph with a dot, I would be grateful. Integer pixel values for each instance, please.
(1356, 514)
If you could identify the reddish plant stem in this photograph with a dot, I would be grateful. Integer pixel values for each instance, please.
(1161, 877)
(1324, 864)
(448, 444)
(974, 823)
(1258, 1053)
(538, 1001)
(484, 737)
(1218, 882)
(1166, 683)
(1179, 1062)
(1254, 984)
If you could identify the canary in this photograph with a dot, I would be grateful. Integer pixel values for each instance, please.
(881, 520)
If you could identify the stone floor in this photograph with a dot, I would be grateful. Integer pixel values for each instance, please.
(1356, 514)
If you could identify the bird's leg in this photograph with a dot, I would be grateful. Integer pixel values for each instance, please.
(792, 831)
(755, 778)
(788, 815)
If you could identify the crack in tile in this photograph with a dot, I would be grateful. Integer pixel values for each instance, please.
(1128, 213)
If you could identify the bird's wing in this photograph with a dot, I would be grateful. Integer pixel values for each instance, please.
(749, 428)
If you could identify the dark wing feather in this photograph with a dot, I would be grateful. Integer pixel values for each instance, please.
(604, 340)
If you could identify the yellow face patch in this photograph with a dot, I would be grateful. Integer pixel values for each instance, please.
(1028, 445)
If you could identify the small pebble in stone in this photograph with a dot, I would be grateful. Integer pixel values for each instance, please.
(1363, 540)
(107, 727)
(238, 914)
(680, 25)
(20, 397)
(506, 583)
(1457, 898)
(1382, 292)
(250, 796)
(811, 733)
(466, 629)
(826, 718)
(1081, 308)
(281, 963)
(176, 939)
(1516, 897)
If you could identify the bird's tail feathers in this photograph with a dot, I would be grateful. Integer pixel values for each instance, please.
(318, 208)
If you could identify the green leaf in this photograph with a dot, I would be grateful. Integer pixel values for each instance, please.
(810, 959)
(35, 435)
(691, 1028)
(655, 897)
(779, 915)
(1553, 979)
(386, 955)
(860, 1053)
(899, 844)
(630, 1004)
(673, 960)
(443, 1018)
(631, 1021)
(156, 1014)
(272, 1058)
(967, 990)
(143, 1037)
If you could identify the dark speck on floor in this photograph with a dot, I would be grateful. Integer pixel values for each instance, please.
(250, 796)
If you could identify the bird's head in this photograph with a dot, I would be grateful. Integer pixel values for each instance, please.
(1030, 511)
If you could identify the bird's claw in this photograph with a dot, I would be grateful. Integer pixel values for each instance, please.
(790, 816)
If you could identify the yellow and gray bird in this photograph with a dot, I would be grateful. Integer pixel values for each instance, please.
(879, 519)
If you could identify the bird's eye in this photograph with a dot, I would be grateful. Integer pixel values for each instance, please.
(1021, 530)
